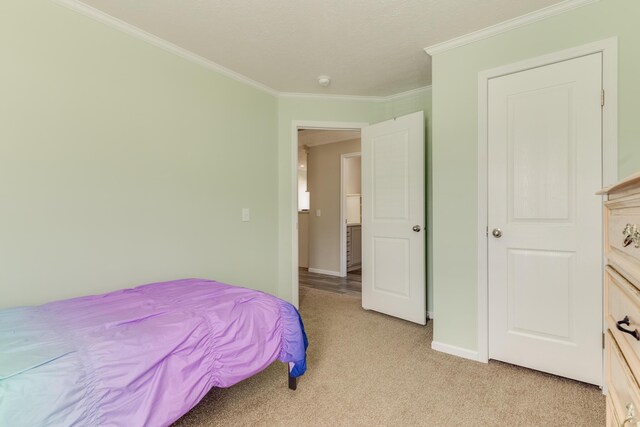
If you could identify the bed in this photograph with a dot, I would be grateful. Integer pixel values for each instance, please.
(142, 356)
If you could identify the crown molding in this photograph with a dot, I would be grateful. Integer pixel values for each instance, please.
(98, 15)
(407, 93)
(511, 24)
(138, 33)
(360, 98)
(320, 96)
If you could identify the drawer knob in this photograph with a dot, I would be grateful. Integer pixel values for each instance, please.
(631, 413)
(631, 234)
(627, 322)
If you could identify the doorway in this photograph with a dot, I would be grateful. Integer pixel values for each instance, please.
(329, 200)
(393, 242)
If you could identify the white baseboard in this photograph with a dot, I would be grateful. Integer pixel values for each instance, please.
(455, 351)
(430, 315)
(357, 266)
(327, 272)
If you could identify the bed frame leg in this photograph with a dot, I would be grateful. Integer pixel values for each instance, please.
(293, 382)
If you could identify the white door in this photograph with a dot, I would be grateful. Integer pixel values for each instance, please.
(393, 235)
(545, 232)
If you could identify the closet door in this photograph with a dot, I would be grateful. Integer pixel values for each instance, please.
(545, 221)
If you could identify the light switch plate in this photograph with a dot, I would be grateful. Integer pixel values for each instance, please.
(318, 212)
(246, 215)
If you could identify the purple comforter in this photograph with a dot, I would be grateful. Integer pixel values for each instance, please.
(139, 357)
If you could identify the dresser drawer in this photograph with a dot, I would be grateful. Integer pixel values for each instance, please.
(612, 418)
(624, 394)
(623, 234)
(622, 300)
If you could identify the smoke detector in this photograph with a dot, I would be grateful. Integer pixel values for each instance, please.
(324, 81)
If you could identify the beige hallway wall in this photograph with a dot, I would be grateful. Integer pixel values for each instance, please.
(324, 186)
(353, 172)
(303, 239)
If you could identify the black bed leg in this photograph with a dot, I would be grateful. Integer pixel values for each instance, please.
(293, 382)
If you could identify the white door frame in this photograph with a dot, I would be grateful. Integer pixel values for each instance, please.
(343, 214)
(609, 49)
(296, 125)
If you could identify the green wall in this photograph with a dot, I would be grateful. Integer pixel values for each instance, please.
(122, 164)
(454, 160)
(336, 110)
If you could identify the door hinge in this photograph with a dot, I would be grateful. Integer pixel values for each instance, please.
(486, 231)
(602, 98)
(603, 340)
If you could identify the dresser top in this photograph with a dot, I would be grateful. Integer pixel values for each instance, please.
(630, 181)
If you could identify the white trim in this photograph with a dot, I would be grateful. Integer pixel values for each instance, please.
(508, 25)
(455, 351)
(483, 221)
(327, 272)
(320, 96)
(609, 49)
(362, 98)
(163, 44)
(293, 209)
(430, 315)
(406, 94)
(311, 124)
(343, 215)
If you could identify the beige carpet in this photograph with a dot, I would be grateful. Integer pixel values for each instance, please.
(369, 369)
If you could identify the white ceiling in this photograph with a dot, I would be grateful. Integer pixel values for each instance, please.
(368, 47)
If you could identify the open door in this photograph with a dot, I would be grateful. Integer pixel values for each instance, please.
(393, 236)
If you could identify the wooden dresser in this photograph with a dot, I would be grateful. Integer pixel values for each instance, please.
(622, 302)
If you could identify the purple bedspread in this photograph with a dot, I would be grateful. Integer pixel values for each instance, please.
(139, 357)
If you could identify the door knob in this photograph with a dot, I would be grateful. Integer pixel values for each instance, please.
(497, 233)
(416, 228)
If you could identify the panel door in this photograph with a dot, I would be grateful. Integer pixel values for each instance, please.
(393, 237)
(545, 223)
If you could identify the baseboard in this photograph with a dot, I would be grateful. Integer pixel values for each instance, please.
(357, 266)
(455, 351)
(430, 315)
(327, 272)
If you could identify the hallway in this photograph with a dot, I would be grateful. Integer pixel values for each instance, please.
(350, 285)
